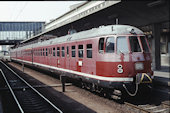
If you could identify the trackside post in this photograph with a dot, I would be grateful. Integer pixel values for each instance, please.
(63, 80)
(23, 67)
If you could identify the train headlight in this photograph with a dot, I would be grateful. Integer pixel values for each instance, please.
(139, 66)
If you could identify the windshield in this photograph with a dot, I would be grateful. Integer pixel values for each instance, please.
(110, 45)
(134, 44)
(144, 44)
(122, 46)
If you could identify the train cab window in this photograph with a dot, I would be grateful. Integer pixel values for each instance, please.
(46, 52)
(122, 46)
(110, 43)
(58, 51)
(89, 50)
(63, 52)
(80, 51)
(73, 51)
(101, 45)
(134, 44)
(53, 51)
(144, 44)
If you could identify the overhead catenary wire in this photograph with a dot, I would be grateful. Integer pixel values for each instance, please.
(21, 10)
(13, 9)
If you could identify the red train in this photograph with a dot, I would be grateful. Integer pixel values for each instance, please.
(108, 57)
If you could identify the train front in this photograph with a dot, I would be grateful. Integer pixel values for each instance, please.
(134, 47)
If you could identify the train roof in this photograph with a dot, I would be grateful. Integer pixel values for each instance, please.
(95, 32)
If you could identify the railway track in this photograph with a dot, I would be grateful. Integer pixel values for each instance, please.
(30, 100)
(164, 107)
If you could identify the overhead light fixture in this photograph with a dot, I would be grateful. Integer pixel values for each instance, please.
(112, 16)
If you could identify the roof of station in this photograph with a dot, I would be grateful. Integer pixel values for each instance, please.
(20, 21)
(85, 9)
(92, 14)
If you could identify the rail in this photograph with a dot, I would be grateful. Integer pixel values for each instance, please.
(56, 108)
(12, 92)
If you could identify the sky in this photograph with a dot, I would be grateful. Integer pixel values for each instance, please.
(33, 10)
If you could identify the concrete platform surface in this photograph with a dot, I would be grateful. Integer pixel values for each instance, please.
(162, 77)
(1, 110)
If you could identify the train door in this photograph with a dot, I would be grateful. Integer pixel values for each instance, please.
(32, 55)
(80, 61)
(73, 64)
(63, 57)
(68, 57)
(53, 57)
(58, 56)
(49, 56)
(46, 56)
(89, 59)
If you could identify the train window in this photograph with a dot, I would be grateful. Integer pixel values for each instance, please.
(53, 51)
(134, 44)
(73, 51)
(67, 51)
(144, 44)
(122, 46)
(63, 52)
(58, 51)
(40, 52)
(80, 51)
(35, 52)
(101, 45)
(43, 52)
(110, 43)
(50, 50)
(89, 50)
(46, 52)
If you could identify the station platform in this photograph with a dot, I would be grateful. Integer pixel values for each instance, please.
(1, 110)
(162, 77)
